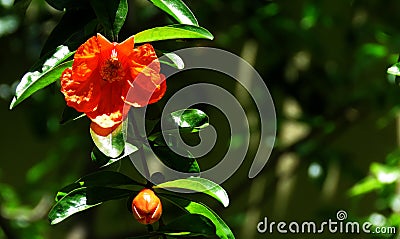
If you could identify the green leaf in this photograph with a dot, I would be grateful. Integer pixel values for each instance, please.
(50, 72)
(222, 230)
(177, 31)
(103, 160)
(384, 173)
(394, 70)
(74, 28)
(201, 185)
(102, 178)
(178, 10)
(111, 15)
(189, 225)
(187, 121)
(83, 198)
(367, 185)
(186, 163)
(191, 119)
(174, 60)
(120, 16)
(111, 145)
(70, 114)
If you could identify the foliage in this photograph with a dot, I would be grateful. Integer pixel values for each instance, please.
(94, 189)
(324, 63)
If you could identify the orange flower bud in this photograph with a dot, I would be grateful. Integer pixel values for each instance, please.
(146, 207)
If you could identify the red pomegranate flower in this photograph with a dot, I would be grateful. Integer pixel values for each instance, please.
(101, 75)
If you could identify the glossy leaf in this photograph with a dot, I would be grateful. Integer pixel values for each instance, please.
(394, 70)
(187, 121)
(222, 230)
(103, 160)
(201, 185)
(178, 10)
(70, 114)
(172, 59)
(111, 145)
(83, 198)
(101, 178)
(192, 119)
(189, 225)
(186, 163)
(120, 16)
(177, 31)
(50, 72)
(111, 15)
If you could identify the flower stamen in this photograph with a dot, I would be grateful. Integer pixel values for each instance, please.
(112, 70)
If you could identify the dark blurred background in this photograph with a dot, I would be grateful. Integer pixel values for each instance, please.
(324, 63)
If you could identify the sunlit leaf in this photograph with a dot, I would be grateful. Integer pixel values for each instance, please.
(83, 198)
(367, 185)
(394, 70)
(178, 10)
(103, 160)
(111, 145)
(173, 60)
(101, 178)
(199, 185)
(186, 121)
(178, 31)
(384, 173)
(192, 119)
(222, 230)
(50, 72)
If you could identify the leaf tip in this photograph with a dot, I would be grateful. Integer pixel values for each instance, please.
(13, 103)
(225, 203)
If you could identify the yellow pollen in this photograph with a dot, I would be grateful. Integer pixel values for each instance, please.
(112, 70)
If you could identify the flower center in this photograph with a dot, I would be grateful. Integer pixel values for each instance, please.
(112, 69)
